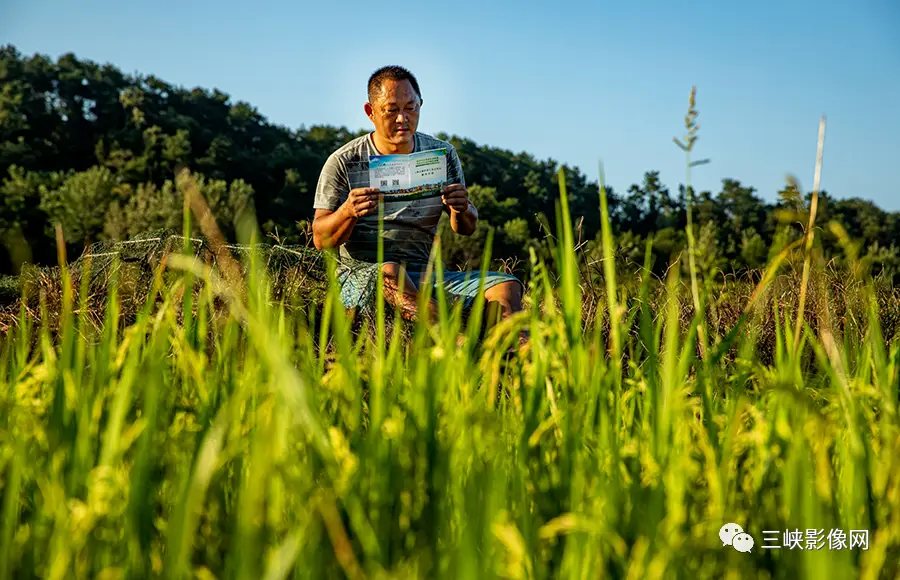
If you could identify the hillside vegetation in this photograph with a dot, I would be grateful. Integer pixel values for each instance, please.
(96, 150)
(176, 405)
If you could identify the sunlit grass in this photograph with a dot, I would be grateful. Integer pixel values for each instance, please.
(222, 435)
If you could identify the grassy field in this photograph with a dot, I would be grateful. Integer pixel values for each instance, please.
(220, 434)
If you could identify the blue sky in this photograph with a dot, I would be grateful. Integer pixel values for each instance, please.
(572, 81)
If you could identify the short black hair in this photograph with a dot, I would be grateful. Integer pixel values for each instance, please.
(392, 73)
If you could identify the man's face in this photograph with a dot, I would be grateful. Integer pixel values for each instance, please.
(395, 112)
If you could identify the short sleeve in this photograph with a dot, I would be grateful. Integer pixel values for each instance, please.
(455, 172)
(334, 185)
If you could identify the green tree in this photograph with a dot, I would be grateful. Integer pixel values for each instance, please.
(742, 209)
(148, 207)
(95, 149)
(80, 204)
(753, 249)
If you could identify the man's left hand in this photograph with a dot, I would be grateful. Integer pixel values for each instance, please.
(456, 197)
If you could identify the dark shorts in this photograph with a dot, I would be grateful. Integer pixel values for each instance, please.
(358, 280)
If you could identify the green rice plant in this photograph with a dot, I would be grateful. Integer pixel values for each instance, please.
(223, 433)
(691, 126)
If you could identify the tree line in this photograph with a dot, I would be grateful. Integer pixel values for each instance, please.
(95, 150)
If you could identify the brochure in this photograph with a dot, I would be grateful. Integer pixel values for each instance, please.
(409, 177)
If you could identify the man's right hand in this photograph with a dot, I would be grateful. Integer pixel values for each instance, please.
(333, 228)
(363, 201)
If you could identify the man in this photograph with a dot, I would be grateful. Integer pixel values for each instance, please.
(347, 209)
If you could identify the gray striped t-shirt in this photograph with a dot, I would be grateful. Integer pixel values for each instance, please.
(409, 226)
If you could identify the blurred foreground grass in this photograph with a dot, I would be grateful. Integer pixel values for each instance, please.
(221, 434)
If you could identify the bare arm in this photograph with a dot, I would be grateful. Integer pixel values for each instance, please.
(463, 215)
(333, 228)
(464, 222)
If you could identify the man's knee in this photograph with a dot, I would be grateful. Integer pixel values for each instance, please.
(393, 281)
(391, 270)
(507, 293)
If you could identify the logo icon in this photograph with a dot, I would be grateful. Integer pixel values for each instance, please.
(734, 535)
(728, 532)
(742, 542)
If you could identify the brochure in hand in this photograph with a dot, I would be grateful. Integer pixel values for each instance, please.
(409, 177)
